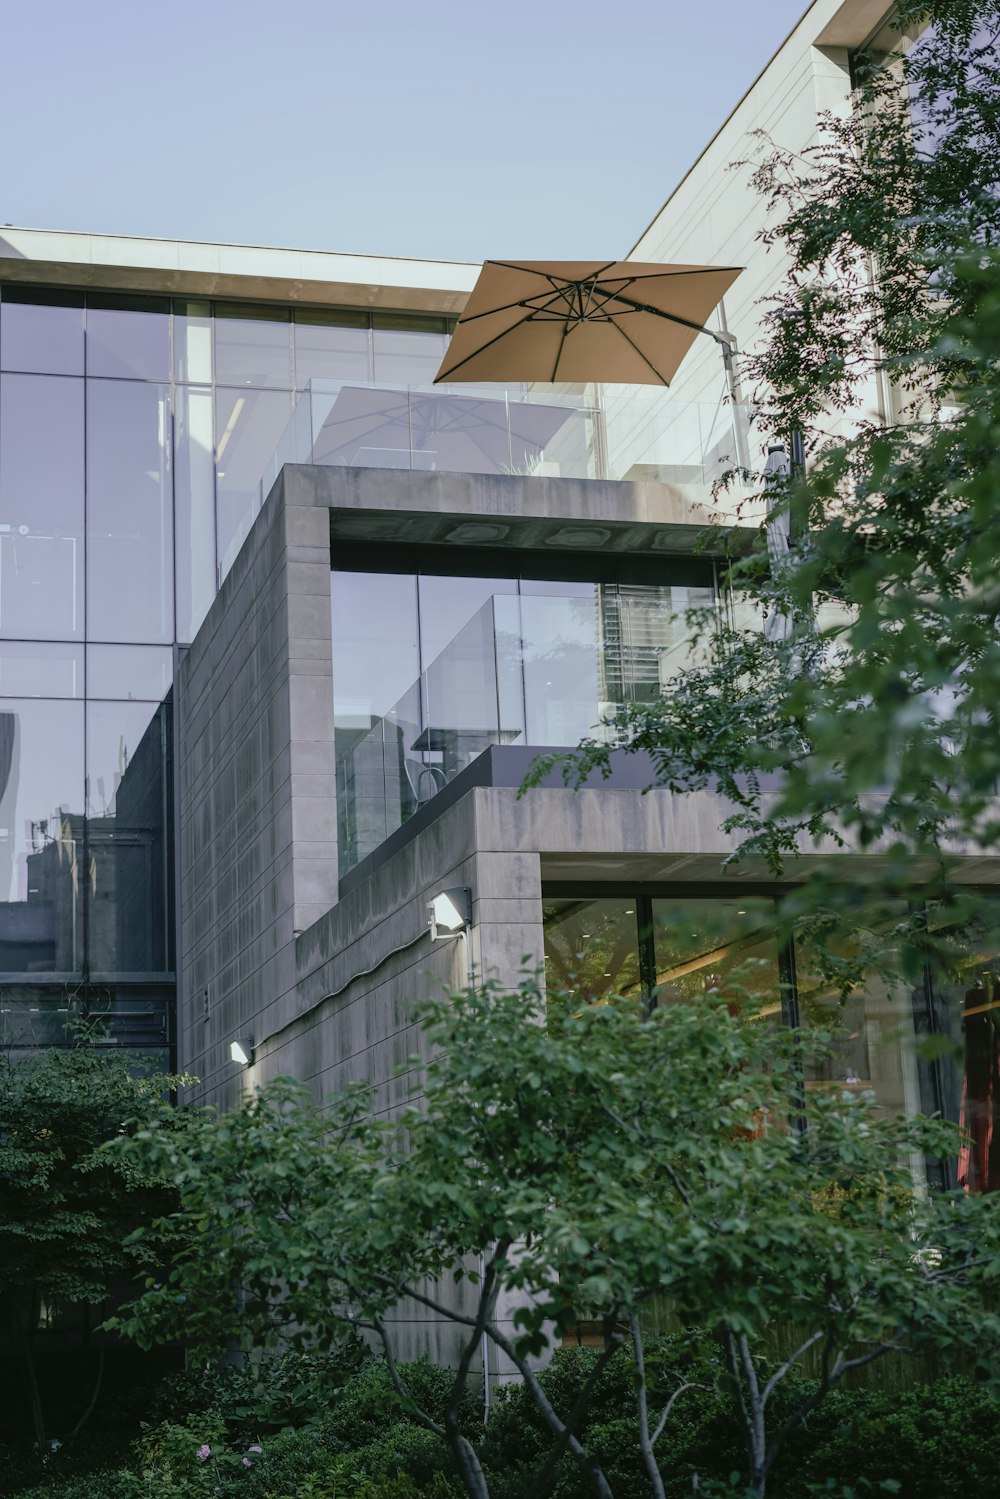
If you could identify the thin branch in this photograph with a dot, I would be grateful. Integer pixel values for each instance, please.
(543, 1478)
(779, 1374)
(645, 1444)
(688, 1384)
(425, 1420)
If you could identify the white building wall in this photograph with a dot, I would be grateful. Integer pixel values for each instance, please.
(715, 217)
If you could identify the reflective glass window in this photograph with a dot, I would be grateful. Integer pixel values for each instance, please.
(41, 507)
(409, 355)
(31, 1016)
(253, 346)
(194, 508)
(331, 346)
(129, 512)
(723, 945)
(128, 790)
(193, 343)
(376, 708)
(592, 946)
(130, 1017)
(129, 340)
(248, 427)
(30, 669)
(566, 686)
(964, 1083)
(42, 873)
(140, 673)
(41, 332)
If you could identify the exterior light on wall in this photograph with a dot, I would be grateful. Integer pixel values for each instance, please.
(242, 1051)
(451, 912)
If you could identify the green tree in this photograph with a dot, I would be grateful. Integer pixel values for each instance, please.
(579, 1161)
(67, 1211)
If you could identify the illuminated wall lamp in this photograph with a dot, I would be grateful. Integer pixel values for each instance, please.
(242, 1051)
(451, 912)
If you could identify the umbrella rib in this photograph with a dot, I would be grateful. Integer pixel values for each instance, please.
(661, 377)
(562, 340)
(480, 349)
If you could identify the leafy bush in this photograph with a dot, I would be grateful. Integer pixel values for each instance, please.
(258, 1395)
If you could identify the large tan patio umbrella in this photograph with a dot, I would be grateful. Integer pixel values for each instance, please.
(616, 322)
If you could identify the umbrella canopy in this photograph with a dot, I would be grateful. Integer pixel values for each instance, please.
(617, 321)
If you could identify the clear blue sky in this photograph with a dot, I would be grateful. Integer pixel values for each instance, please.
(453, 129)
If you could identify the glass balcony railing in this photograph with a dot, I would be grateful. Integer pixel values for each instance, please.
(530, 669)
(635, 432)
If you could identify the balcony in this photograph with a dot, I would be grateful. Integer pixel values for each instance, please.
(534, 669)
(636, 432)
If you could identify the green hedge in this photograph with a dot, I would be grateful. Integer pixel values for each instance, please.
(931, 1441)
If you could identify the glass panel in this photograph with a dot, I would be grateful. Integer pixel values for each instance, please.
(41, 836)
(41, 507)
(647, 639)
(128, 822)
(873, 1027)
(194, 508)
(253, 347)
(447, 604)
(592, 946)
(407, 357)
(130, 1017)
(128, 344)
(193, 342)
(965, 1084)
(28, 669)
(724, 945)
(565, 690)
(331, 346)
(43, 336)
(129, 512)
(37, 1017)
(376, 662)
(135, 672)
(248, 426)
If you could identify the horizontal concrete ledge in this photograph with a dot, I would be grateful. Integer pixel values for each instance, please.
(513, 511)
(500, 765)
(157, 281)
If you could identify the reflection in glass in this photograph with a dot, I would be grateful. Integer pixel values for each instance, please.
(125, 1016)
(965, 1083)
(129, 512)
(43, 336)
(127, 344)
(592, 946)
(873, 1027)
(31, 1016)
(41, 507)
(331, 346)
(565, 691)
(29, 669)
(128, 793)
(409, 356)
(376, 659)
(132, 672)
(719, 945)
(248, 426)
(193, 343)
(194, 502)
(253, 346)
(41, 836)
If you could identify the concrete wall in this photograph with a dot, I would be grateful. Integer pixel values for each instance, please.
(258, 855)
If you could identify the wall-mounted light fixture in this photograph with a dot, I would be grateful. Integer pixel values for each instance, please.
(242, 1051)
(451, 912)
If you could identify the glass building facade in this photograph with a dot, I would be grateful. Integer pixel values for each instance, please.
(431, 666)
(133, 435)
(660, 947)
